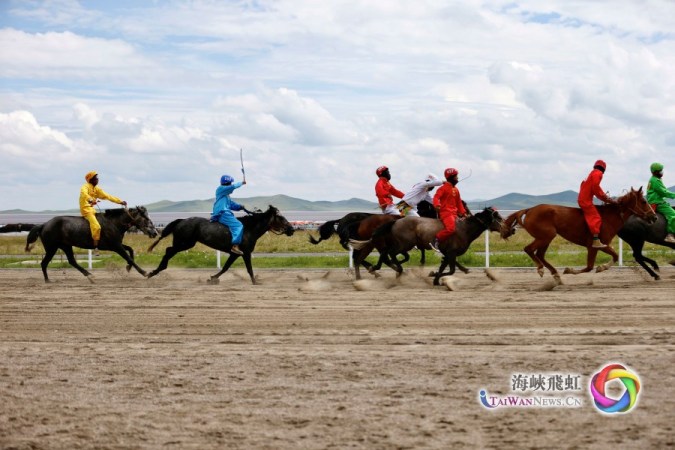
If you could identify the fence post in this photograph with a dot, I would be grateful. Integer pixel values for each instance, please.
(218, 259)
(487, 249)
(620, 252)
(351, 257)
(90, 263)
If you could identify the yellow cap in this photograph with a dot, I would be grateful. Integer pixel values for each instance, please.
(90, 175)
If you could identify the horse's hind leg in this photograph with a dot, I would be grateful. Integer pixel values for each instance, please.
(226, 266)
(168, 254)
(130, 261)
(541, 255)
(73, 262)
(531, 251)
(49, 254)
(461, 267)
(590, 261)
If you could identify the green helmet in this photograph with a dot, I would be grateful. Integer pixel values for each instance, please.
(656, 167)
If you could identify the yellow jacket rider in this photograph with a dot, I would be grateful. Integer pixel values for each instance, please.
(89, 195)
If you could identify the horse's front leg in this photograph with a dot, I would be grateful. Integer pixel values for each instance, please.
(437, 277)
(611, 252)
(130, 251)
(119, 249)
(73, 262)
(461, 267)
(228, 263)
(423, 256)
(590, 262)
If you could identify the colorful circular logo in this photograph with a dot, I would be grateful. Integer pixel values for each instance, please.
(615, 372)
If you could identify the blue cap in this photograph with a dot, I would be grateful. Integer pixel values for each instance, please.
(226, 179)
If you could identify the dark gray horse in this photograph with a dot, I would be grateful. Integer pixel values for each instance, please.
(66, 232)
(339, 227)
(403, 235)
(16, 227)
(187, 232)
(635, 232)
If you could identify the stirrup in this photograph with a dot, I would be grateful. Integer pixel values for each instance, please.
(670, 239)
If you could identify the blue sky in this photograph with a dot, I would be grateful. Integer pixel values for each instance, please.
(159, 96)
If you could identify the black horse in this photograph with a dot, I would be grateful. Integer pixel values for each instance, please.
(635, 232)
(16, 227)
(187, 232)
(66, 232)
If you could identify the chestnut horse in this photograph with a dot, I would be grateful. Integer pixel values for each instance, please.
(544, 222)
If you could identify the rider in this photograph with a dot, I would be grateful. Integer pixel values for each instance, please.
(589, 188)
(448, 203)
(223, 207)
(384, 191)
(420, 191)
(89, 195)
(657, 195)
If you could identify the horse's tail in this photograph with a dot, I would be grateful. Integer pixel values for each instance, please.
(325, 232)
(165, 232)
(358, 245)
(509, 225)
(33, 235)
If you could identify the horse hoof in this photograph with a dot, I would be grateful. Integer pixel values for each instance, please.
(540, 271)
(432, 274)
(128, 268)
(567, 271)
(657, 278)
(213, 280)
(557, 279)
(91, 279)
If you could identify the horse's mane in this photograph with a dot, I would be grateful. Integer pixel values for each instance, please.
(113, 212)
(250, 219)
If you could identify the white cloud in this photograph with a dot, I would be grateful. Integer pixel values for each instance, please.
(160, 96)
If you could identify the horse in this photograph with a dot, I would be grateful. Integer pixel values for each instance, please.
(403, 235)
(66, 232)
(544, 222)
(187, 232)
(16, 227)
(636, 232)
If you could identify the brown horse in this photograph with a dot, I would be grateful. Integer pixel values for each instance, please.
(363, 230)
(544, 222)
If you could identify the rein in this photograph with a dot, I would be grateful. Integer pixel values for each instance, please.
(631, 209)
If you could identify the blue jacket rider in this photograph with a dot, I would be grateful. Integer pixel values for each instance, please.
(223, 207)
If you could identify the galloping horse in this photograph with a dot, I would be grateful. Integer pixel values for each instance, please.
(66, 232)
(187, 232)
(544, 222)
(636, 232)
(403, 235)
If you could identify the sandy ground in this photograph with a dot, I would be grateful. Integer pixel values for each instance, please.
(308, 359)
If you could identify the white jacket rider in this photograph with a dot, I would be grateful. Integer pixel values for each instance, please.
(420, 191)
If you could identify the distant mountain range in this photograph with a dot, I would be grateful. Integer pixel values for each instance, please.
(286, 203)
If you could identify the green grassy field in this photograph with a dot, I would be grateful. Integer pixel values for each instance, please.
(297, 252)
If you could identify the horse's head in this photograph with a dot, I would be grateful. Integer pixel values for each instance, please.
(635, 202)
(141, 220)
(490, 218)
(278, 223)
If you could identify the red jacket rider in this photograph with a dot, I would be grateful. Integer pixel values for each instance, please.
(384, 191)
(590, 188)
(449, 204)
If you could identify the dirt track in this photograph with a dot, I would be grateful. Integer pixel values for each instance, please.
(302, 361)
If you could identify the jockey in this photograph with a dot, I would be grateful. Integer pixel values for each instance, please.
(89, 195)
(589, 188)
(448, 203)
(420, 191)
(223, 207)
(384, 192)
(657, 195)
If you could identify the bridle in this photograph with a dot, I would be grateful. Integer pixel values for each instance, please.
(631, 208)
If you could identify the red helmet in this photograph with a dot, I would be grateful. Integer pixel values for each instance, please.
(600, 163)
(380, 170)
(450, 172)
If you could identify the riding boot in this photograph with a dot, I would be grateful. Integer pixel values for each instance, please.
(434, 244)
(670, 238)
(597, 243)
(236, 250)
(96, 252)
